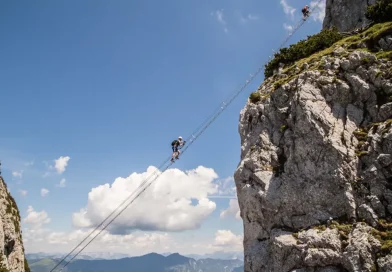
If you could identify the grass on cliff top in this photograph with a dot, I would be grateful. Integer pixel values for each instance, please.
(303, 48)
(369, 37)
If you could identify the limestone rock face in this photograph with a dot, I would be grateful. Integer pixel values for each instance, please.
(315, 175)
(353, 12)
(12, 255)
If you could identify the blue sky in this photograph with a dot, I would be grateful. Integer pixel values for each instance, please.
(110, 84)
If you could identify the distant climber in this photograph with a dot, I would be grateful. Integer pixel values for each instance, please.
(305, 12)
(175, 144)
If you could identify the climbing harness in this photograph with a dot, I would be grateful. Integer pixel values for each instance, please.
(164, 166)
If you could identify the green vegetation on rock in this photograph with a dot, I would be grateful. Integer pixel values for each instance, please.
(26, 265)
(255, 97)
(369, 37)
(343, 229)
(383, 233)
(380, 12)
(302, 49)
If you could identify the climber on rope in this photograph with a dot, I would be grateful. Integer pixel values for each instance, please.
(305, 12)
(175, 144)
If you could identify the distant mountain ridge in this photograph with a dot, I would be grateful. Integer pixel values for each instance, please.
(85, 256)
(151, 262)
(222, 255)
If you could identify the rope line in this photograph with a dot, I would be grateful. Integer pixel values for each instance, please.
(116, 216)
(110, 214)
(161, 169)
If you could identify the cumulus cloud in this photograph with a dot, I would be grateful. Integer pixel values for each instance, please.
(62, 183)
(59, 166)
(177, 201)
(44, 192)
(318, 10)
(36, 219)
(226, 238)
(219, 16)
(287, 9)
(232, 210)
(17, 174)
(61, 163)
(23, 192)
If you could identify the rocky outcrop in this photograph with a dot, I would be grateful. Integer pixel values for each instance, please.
(353, 12)
(315, 179)
(11, 246)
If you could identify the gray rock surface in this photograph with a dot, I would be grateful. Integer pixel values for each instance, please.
(317, 147)
(353, 12)
(386, 43)
(11, 249)
(385, 264)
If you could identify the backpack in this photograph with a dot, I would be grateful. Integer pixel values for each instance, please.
(175, 142)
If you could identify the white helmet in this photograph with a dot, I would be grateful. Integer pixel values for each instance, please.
(179, 137)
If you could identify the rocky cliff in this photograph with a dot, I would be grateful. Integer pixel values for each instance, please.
(314, 182)
(11, 245)
(353, 12)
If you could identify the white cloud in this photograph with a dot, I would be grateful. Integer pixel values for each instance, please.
(17, 174)
(108, 240)
(287, 9)
(226, 238)
(36, 219)
(44, 192)
(138, 243)
(166, 205)
(248, 18)
(61, 163)
(219, 16)
(289, 28)
(226, 186)
(23, 192)
(30, 163)
(232, 210)
(62, 183)
(319, 13)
